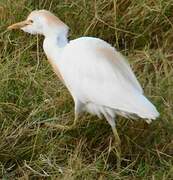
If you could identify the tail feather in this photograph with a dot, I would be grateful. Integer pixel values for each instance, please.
(146, 109)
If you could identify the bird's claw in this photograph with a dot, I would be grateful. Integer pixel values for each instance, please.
(57, 126)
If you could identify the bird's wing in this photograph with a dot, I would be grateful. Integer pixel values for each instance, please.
(95, 72)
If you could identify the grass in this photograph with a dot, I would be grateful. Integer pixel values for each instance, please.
(30, 93)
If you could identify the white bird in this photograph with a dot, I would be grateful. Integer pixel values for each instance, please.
(98, 77)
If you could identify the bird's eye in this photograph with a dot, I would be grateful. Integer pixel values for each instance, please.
(31, 21)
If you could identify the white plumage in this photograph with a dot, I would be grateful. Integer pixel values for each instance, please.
(98, 77)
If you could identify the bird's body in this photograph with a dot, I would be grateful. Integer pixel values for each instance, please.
(98, 77)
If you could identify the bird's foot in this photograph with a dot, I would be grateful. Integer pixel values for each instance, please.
(58, 126)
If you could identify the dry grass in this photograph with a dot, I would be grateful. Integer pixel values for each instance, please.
(30, 93)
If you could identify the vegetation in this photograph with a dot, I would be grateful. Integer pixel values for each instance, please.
(30, 94)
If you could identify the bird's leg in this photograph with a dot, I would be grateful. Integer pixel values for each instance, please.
(117, 146)
(117, 138)
(111, 121)
(78, 110)
(75, 119)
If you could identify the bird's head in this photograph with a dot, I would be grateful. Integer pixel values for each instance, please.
(41, 22)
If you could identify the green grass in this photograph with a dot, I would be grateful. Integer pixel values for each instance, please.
(30, 93)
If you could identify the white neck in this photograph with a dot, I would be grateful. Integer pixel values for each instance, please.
(54, 44)
(62, 40)
(58, 39)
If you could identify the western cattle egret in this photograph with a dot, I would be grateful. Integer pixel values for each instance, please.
(98, 77)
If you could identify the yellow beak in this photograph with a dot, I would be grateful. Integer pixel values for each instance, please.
(19, 25)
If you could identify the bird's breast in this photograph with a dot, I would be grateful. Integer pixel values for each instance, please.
(55, 68)
(53, 54)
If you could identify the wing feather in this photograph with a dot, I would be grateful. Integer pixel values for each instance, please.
(95, 72)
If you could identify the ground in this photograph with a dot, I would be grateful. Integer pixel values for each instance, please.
(30, 93)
